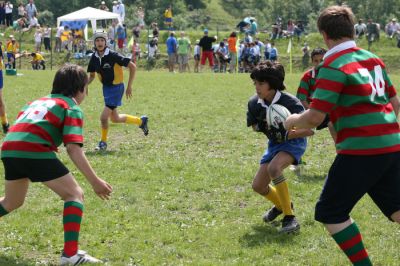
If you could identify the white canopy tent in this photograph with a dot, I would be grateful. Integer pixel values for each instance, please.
(89, 14)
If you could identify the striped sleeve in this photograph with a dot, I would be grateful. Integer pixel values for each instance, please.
(73, 126)
(329, 84)
(303, 92)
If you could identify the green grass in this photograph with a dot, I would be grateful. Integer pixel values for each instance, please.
(182, 195)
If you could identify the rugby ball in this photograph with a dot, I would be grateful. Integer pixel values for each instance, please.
(276, 114)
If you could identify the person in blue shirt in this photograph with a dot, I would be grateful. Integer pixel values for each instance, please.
(171, 50)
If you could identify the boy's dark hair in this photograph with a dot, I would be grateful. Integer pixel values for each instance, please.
(318, 51)
(69, 80)
(33, 54)
(337, 22)
(271, 72)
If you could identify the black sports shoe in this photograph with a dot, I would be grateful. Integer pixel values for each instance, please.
(289, 224)
(271, 214)
(144, 127)
(5, 128)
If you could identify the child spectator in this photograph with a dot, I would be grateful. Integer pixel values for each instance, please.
(223, 58)
(38, 39)
(273, 54)
(196, 56)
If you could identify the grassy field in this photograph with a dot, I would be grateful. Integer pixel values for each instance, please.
(182, 195)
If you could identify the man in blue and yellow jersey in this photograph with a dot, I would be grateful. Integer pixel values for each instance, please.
(108, 65)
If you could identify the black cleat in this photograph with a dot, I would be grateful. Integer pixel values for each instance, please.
(271, 214)
(289, 224)
(143, 126)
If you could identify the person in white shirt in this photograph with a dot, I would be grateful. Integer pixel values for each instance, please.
(38, 39)
(59, 32)
(392, 28)
(9, 10)
(196, 55)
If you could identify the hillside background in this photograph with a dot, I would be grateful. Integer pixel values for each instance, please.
(225, 14)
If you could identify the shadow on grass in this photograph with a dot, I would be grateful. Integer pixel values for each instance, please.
(264, 234)
(312, 178)
(10, 261)
(101, 153)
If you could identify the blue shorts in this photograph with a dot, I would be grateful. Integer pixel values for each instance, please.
(1, 79)
(9, 56)
(295, 147)
(113, 94)
(168, 20)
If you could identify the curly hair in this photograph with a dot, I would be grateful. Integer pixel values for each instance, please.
(318, 51)
(271, 72)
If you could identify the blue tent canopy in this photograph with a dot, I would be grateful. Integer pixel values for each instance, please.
(75, 25)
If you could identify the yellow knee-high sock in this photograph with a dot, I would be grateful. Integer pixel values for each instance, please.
(272, 196)
(104, 133)
(283, 195)
(4, 120)
(130, 119)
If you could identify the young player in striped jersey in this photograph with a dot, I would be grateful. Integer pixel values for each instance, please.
(28, 154)
(108, 66)
(307, 87)
(284, 147)
(307, 82)
(353, 87)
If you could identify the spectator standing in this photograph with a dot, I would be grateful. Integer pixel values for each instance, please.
(222, 54)
(372, 32)
(207, 51)
(156, 30)
(267, 49)
(59, 33)
(140, 16)
(8, 11)
(392, 28)
(171, 50)
(121, 11)
(103, 7)
(21, 10)
(306, 55)
(196, 56)
(183, 52)
(232, 40)
(273, 54)
(253, 27)
(38, 39)
(121, 35)
(46, 38)
(111, 34)
(2, 14)
(360, 28)
(31, 10)
(168, 17)
(12, 48)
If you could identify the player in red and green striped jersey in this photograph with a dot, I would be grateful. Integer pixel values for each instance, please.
(353, 87)
(28, 154)
(307, 87)
(307, 82)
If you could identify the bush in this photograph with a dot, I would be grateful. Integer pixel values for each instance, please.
(46, 18)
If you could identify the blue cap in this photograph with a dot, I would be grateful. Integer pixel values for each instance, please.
(205, 30)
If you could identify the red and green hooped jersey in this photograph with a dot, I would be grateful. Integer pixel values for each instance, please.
(307, 86)
(353, 87)
(42, 126)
